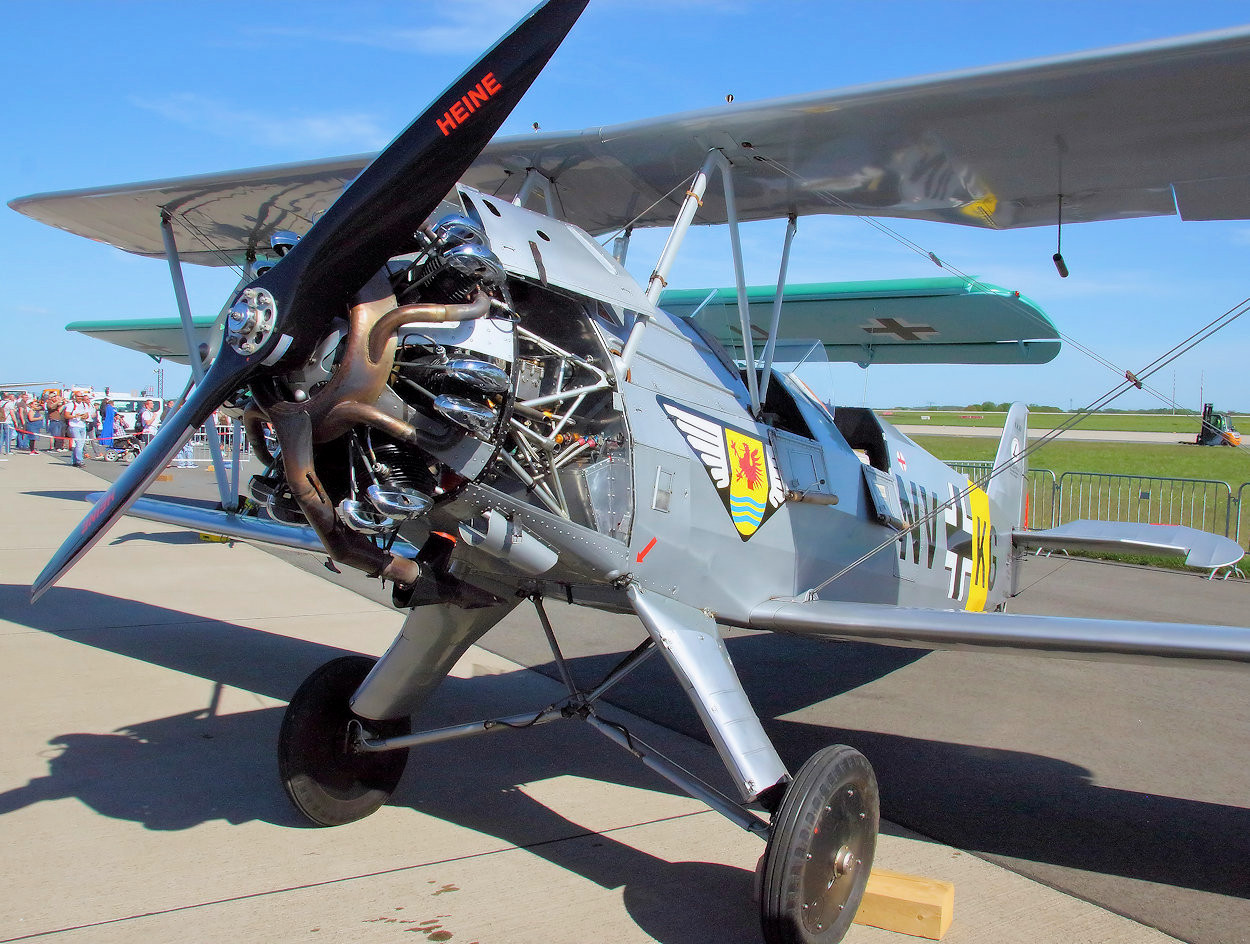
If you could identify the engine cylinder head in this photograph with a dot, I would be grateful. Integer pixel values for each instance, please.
(478, 419)
(478, 263)
(457, 230)
(480, 375)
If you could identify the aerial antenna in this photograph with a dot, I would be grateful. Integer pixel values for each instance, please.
(1060, 265)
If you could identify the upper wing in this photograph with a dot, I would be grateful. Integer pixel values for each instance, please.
(1145, 130)
(220, 218)
(913, 321)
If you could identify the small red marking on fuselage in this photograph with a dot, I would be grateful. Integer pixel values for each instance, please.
(467, 104)
(646, 550)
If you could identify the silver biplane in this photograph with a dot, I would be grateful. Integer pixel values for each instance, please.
(473, 400)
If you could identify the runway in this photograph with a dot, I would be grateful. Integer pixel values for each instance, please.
(1078, 434)
(1125, 786)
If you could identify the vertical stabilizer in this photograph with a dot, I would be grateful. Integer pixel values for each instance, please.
(1008, 486)
(1008, 489)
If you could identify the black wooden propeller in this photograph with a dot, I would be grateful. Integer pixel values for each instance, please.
(378, 212)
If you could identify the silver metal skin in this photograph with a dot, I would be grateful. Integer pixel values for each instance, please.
(1096, 640)
(507, 541)
(1158, 114)
(432, 639)
(692, 644)
(245, 528)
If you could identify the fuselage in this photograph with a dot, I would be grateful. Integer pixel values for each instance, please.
(695, 498)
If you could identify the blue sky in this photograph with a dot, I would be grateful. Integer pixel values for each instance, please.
(103, 93)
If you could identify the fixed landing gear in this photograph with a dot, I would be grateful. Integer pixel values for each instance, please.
(338, 767)
(327, 778)
(820, 852)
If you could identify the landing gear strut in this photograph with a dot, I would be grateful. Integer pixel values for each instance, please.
(338, 767)
(820, 853)
(327, 778)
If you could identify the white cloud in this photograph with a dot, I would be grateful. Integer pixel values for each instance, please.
(453, 28)
(356, 131)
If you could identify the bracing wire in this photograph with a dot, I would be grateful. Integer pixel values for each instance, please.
(1097, 404)
(1130, 379)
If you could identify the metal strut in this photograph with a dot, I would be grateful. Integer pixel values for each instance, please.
(579, 704)
(229, 498)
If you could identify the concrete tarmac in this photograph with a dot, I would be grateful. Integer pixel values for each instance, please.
(140, 798)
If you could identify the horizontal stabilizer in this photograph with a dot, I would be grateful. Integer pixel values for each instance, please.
(1088, 639)
(1200, 548)
(905, 321)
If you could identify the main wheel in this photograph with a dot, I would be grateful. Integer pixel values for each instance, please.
(327, 781)
(818, 859)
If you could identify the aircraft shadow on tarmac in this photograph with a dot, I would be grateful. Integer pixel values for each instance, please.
(175, 772)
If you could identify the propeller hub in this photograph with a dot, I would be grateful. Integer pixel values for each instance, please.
(251, 321)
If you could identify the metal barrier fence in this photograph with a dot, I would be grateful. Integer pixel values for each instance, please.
(1205, 504)
(1042, 496)
(976, 469)
(225, 434)
(1242, 512)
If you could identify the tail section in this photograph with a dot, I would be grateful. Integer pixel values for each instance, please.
(1008, 487)
(1008, 494)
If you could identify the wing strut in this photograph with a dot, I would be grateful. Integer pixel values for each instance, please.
(229, 500)
(659, 275)
(770, 346)
(716, 160)
(740, 281)
(535, 179)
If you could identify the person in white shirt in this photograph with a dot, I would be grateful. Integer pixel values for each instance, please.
(77, 412)
(149, 422)
(8, 421)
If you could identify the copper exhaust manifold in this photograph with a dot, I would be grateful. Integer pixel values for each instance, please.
(346, 400)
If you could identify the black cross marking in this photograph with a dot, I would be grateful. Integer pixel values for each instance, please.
(904, 332)
(958, 542)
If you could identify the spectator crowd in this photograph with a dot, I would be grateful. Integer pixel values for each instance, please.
(69, 422)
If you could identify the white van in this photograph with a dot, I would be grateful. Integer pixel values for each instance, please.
(127, 407)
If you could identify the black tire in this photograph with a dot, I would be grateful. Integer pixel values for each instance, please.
(328, 783)
(820, 854)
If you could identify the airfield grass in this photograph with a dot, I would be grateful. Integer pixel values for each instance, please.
(1185, 426)
(1219, 463)
(1210, 463)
